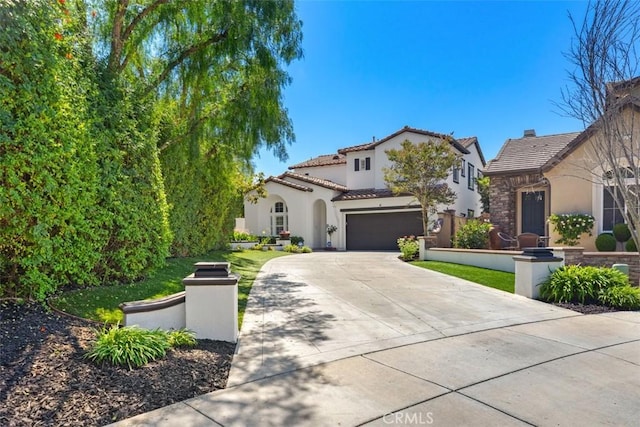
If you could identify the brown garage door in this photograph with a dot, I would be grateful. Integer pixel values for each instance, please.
(380, 231)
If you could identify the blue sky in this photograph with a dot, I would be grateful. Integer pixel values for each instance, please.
(485, 69)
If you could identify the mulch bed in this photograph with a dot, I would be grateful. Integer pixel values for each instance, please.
(45, 380)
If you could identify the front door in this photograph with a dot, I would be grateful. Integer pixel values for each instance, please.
(533, 212)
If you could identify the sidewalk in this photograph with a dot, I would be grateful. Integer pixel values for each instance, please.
(363, 339)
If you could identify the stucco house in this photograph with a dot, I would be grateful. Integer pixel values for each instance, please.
(347, 189)
(535, 176)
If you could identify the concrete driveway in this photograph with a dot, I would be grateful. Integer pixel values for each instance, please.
(335, 338)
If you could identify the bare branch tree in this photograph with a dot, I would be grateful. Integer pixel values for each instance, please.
(604, 94)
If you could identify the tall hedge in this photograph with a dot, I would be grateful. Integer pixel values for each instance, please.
(81, 193)
(134, 211)
(48, 172)
(202, 197)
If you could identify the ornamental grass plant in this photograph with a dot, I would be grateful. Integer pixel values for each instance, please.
(132, 346)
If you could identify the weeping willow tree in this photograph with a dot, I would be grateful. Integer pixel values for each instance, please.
(215, 71)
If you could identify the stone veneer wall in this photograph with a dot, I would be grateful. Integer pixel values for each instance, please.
(502, 197)
(607, 259)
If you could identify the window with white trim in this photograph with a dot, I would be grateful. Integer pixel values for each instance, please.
(613, 204)
(279, 218)
(471, 177)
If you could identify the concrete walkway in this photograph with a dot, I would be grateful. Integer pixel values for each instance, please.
(363, 339)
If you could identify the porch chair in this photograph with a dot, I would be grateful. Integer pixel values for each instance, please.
(508, 242)
(528, 240)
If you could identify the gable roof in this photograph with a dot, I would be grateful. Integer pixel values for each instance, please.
(473, 140)
(323, 160)
(313, 180)
(528, 154)
(625, 102)
(371, 145)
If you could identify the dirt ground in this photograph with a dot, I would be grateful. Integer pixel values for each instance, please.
(45, 380)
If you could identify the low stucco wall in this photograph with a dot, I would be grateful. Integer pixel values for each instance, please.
(163, 313)
(494, 260)
(503, 260)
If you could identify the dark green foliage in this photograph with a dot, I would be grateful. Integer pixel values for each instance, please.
(473, 235)
(605, 242)
(202, 196)
(585, 285)
(621, 232)
(295, 240)
(630, 246)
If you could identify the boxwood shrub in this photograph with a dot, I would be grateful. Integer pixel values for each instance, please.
(605, 242)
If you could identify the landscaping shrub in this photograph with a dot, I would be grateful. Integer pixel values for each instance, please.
(295, 240)
(571, 226)
(181, 338)
(240, 236)
(621, 232)
(622, 297)
(473, 235)
(582, 284)
(409, 247)
(605, 242)
(129, 346)
(630, 246)
(296, 249)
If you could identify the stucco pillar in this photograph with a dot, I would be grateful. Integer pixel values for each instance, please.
(424, 243)
(211, 302)
(532, 268)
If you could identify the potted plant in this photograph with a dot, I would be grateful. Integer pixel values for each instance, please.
(330, 230)
(285, 234)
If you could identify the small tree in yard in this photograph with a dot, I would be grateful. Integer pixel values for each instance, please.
(604, 54)
(420, 170)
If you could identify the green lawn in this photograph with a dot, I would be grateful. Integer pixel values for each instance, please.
(101, 303)
(491, 278)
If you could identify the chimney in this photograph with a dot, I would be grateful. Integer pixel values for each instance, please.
(374, 138)
(528, 133)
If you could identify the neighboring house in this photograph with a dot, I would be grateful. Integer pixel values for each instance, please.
(347, 189)
(535, 176)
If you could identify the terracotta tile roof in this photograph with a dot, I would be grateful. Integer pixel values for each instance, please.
(313, 180)
(323, 160)
(279, 180)
(360, 147)
(528, 154)
(373, 144)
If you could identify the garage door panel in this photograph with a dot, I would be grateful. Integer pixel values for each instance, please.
(380, 231)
